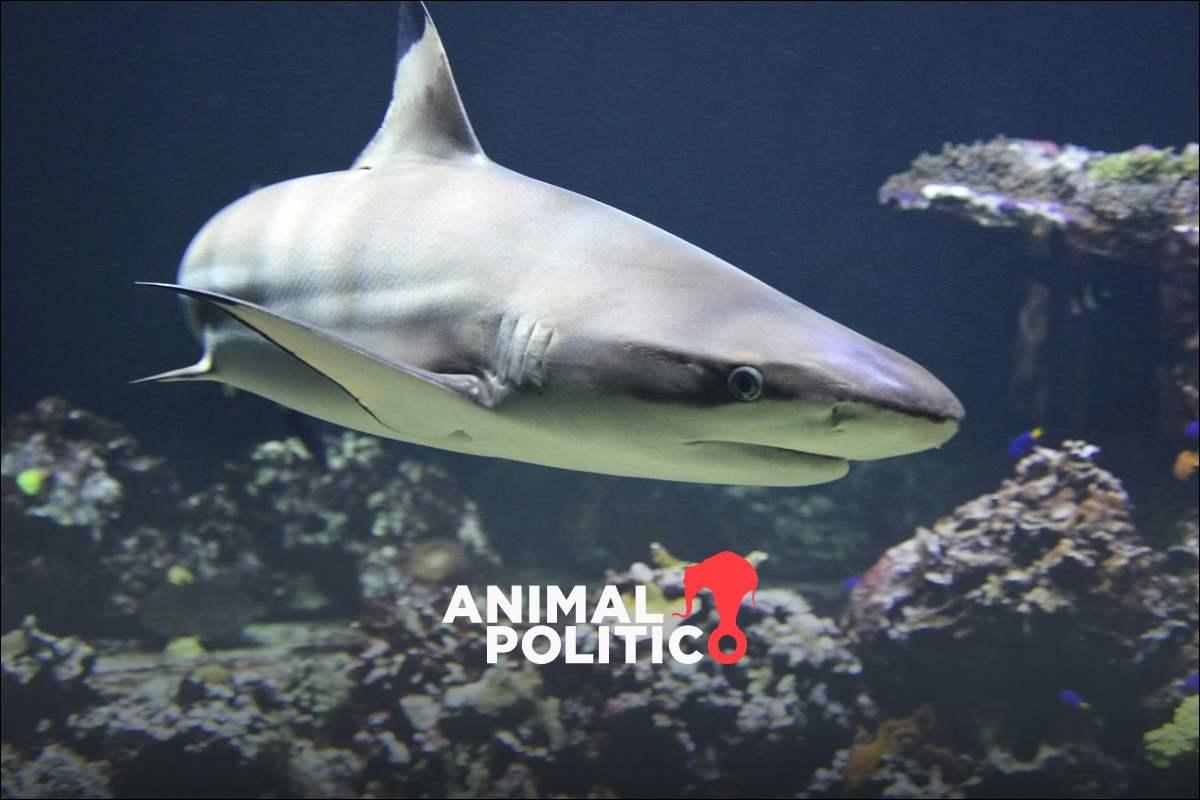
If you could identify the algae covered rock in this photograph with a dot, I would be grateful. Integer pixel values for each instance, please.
(1178, 739)
(44, 679)
(102, 526)
(1137, 205)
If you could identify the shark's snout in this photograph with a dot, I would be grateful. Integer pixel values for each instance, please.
(846, 365)
(894, 381)
(900, 407)
(866, 401)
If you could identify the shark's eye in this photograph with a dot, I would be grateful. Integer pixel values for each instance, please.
(745, 383)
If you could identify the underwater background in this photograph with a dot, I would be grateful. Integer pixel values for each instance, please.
(201, 599)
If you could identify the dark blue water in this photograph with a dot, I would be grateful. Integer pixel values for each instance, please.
(759, 131)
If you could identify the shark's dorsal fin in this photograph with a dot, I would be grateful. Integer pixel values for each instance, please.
(425, 117)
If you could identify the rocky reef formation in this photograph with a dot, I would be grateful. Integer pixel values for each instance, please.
(1038, 622)
(93, 527)
(1032, 642)
(356, 514)
(247, 722)
(614, 729)
(87, 517)
(414, 710)
(1049, 563)
(1138, 207)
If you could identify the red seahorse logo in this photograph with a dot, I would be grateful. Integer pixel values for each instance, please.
(728, 576)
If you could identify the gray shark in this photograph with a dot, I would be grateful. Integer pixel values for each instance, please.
(430, 295)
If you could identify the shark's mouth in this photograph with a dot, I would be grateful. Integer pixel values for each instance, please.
(761, 453)
(763, 465)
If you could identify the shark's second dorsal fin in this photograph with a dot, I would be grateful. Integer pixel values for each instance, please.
(426, 116)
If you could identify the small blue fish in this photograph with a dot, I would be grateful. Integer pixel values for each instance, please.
(849, 583)
(1193, 682)
(1023, 444)
(1073, 699)
(1192, 431)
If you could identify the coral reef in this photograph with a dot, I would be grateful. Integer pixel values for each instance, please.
(760, 724)
(108, 529)
(77, 471)
(55, 771)
(1049, 563)
(43, 679)
(241, 722)
(907, 737)
(366, 514)
(1029, 590)
(611, 729)
(104, 529)
(1145, 165)
(1138, 207)
(1020, 646)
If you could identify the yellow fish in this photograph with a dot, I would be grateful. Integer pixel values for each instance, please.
(1186, 463)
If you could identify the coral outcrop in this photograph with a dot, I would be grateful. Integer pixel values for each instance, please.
(1040, 586)
(1138, 207)
(108, 527)
(239, 723)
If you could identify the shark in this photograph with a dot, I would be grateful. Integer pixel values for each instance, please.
(430, 295)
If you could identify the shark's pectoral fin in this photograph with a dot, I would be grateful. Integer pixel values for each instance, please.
(400, 397)
(202, 370)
